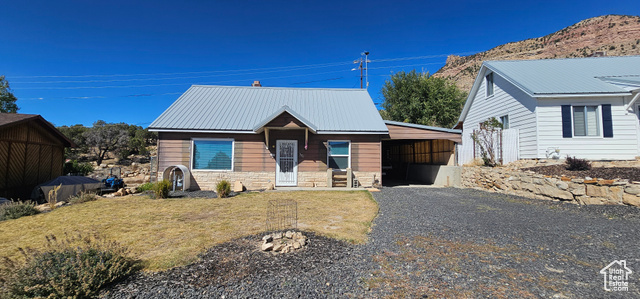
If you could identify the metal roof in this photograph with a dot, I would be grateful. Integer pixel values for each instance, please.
(242, 109)
(410, 125)
(12, 119)
(583, 77)
(567, 76)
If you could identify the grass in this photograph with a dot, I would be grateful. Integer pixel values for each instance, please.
(166, 233)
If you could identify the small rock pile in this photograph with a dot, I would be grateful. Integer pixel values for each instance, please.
(122, 192)
(283, 243)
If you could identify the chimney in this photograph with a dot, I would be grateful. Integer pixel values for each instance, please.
(256, 83)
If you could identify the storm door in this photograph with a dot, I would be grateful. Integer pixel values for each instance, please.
(287, 163)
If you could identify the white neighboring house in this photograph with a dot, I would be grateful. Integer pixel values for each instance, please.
(583, 107)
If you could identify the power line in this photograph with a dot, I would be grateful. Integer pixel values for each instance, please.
(320, 65)
(186, 73)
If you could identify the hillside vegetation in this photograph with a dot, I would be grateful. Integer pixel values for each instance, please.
(617, 35)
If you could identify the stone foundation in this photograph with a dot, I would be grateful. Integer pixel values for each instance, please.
(207, 180)
(533, 185)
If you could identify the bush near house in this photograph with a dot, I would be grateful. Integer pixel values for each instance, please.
(574, 163)
(83, 197)
(161, 189)
(76, 267)
(223, 189)
(17, 209)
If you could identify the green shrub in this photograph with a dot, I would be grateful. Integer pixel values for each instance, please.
(76, 267)
(74, 167)
(145, 187)
(574, 163)
(83, 197)
(17, 209)
(161, 189)
(223, 189)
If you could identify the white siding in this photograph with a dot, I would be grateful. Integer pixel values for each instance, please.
(623, 145)
(506, 100)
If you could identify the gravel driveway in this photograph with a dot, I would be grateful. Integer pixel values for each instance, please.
(427, 242)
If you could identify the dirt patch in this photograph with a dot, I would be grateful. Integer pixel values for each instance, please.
(607, 173)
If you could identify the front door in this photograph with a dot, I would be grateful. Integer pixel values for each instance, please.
(287, 163)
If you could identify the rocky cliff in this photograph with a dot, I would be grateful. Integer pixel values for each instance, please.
(612, 35)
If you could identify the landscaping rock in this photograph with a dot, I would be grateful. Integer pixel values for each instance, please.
(631, 200)
(238, 187)
(266, 246)
(43, 207)
(278, 246)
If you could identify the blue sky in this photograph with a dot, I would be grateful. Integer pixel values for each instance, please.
(75, 62)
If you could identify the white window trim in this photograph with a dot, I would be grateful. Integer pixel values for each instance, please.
(233, 153)
(493, 85)
(329, 151)
(598, 115)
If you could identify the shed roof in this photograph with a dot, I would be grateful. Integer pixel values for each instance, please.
(569, 75)
(244, 109)
(12, 119)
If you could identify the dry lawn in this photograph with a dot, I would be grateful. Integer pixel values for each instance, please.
(171, 232)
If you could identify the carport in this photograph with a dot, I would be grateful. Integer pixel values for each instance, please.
(420, 154)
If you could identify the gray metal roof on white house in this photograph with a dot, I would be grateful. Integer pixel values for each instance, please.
(568, 76)
(245, 109)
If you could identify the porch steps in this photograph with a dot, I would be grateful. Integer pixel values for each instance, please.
(339, 179)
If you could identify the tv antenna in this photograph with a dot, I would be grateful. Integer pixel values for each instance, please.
(363, 66)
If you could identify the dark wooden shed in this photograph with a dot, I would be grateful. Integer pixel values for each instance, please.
(31, 153)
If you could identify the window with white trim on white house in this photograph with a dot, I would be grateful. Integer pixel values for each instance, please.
(504, 120)
(583, 120)
(489, 84)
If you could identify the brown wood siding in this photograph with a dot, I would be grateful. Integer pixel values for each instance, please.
(400, 132)
(29, 155)
(251, 153)
(285, 120)
(438, 152)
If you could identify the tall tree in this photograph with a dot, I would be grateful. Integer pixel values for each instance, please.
(77, 134)
(421, 99)
(104, 137)
(7, 99)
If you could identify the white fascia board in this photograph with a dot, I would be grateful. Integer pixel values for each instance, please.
(580, 95)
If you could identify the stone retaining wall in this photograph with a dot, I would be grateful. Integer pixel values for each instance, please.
(533, 185)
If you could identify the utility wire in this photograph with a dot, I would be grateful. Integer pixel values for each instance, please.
(307, 66)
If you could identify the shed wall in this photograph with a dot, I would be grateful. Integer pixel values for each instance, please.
(29, 155)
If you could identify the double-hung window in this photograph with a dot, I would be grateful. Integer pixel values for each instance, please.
(212, 154)
(585, 121)
(489, 83)
(339, 154)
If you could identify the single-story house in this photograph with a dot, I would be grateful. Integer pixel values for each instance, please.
(31, 153)
(583, 107)
(305, 137)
